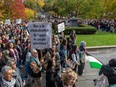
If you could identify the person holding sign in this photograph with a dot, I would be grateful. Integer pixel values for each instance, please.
(35, 68)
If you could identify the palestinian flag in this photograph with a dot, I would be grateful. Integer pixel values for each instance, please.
(94, 63)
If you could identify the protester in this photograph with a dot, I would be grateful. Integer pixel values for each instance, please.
(16, 72)
(73, 37)
(6, 54)
(109, 70)
(51, 74)
(35, 68)
(82, 52)
(74, 55)
(63, 52)
(20, 50)
(6, 79)
(68, 79)
(13, 52)
(2, 60)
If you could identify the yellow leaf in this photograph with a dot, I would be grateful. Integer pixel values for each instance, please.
(41, 3)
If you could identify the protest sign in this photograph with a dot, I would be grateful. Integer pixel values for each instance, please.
(71, 64)
(41, 35)
(18, 21)
(7, 21)
(61, 27)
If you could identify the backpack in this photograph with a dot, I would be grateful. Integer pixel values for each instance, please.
(27, 67)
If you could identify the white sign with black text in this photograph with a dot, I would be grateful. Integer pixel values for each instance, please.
(41, 35)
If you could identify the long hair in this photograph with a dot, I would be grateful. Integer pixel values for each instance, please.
(50, 64)
(74, 49)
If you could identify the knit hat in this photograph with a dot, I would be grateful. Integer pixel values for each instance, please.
(112, 63)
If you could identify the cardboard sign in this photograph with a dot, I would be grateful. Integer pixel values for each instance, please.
(61, 27)
(41, 35)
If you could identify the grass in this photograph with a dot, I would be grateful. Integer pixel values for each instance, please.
(98, 39)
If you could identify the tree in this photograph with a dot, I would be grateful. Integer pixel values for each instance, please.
(40, 3)
(30, 13)
(109, 8)
(1, 8)
(32, 4)
(14, 9)
(82, 8)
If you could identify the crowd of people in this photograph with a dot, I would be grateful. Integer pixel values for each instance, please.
(108, 25)
(23, 66)
(16, 54)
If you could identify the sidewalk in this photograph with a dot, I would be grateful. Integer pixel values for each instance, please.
(100, 47)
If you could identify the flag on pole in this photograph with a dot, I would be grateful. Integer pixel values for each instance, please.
(94, 63)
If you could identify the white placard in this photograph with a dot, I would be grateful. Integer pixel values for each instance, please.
(7, 21)
(41, 35)
(18, 21)
(61, 27)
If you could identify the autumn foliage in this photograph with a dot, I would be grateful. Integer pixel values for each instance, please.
(16, 9)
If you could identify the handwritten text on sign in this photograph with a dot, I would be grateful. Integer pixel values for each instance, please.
(41, 35)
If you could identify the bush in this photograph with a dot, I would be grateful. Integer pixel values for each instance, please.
(82, 29)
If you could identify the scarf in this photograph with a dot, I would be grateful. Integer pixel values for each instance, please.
(8, 83)
(14, 54)
(37, 60)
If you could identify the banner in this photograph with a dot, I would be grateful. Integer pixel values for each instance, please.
(61, 27)
(7, 21)
(41, 35)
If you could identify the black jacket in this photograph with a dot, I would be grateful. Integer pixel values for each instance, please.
(110, 72)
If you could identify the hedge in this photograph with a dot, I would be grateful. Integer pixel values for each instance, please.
(84, 29)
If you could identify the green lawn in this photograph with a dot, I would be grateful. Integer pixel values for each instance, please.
(98, 39)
